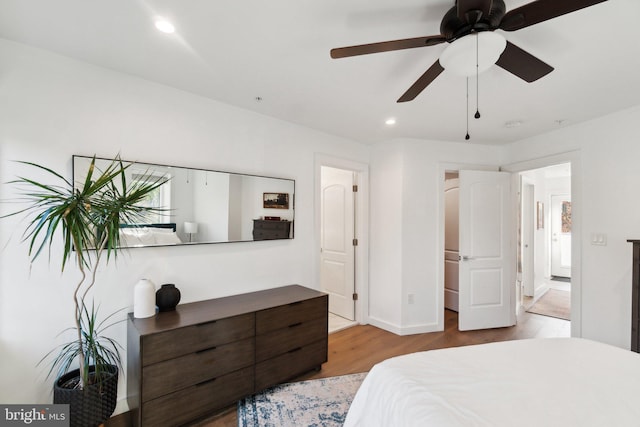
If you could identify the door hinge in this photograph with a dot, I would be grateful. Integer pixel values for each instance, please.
(355, 242)
(355, 188)
(355, 297)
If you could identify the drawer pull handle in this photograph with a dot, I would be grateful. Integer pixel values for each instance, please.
(204, 350)
(200, 384)
(207, 323)
(294, 350)
(295, 324)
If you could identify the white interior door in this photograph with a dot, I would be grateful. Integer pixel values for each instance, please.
(486, 259)
(337, 252)
(561, 235)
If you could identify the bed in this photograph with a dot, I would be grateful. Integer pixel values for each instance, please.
(136, 235)
(536, 382)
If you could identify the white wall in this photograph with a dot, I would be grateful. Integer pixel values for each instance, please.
(211, 195)
(608, 203)
(407, 240)
(52, 107)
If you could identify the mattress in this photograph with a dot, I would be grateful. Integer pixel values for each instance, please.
(536, 382)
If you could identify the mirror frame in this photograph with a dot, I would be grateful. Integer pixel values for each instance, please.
(265, 199)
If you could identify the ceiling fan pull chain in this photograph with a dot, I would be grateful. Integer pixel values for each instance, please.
(477, 115)
(467, 135)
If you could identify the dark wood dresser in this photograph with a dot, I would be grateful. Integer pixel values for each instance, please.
(186, 364)
(271, 229)
(635, 298)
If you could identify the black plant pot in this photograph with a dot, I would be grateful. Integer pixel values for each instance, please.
(94, 404)
(167, 297)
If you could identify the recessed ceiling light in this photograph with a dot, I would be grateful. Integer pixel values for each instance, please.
(390, 122)
(513, 124)
(165, 26)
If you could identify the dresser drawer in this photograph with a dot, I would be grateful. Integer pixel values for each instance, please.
(271, 225)
(265, 230)
(289, 314)
(286, 339)
(175, 374)
(177, 342)
(290, 364)
(188, 404)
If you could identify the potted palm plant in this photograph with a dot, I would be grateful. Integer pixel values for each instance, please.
(87, 219)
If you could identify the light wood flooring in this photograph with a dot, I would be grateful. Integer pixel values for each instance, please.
(358, 348)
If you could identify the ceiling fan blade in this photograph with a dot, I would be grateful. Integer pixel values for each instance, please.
(364, 49)
(541, 10)
(424, 81)
(467, 9)
(522, 64)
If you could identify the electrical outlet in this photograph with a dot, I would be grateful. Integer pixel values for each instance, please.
(410, 298)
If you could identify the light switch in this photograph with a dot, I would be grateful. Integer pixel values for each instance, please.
(599, 239)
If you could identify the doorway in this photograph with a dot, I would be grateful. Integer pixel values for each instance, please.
(338, 240)
(341, 225)
(544, 241)
(570, 162)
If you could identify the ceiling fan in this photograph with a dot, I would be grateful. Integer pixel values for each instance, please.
(479, 17)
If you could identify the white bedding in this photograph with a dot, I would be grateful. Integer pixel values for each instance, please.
(562, 382)
(145, 236)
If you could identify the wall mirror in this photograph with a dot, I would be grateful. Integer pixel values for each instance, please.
(206, 206)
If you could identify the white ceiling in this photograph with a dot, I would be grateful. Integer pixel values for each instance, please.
(236, 50)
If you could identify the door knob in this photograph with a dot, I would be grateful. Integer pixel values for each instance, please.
(466, 258)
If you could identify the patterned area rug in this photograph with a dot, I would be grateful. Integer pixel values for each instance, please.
(318, 403)
(553, 303)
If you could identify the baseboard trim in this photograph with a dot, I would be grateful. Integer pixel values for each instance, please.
(405, 330)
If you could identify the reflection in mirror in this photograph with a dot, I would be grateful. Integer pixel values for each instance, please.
(203, 206)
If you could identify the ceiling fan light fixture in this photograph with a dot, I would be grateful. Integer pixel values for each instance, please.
(482, 49)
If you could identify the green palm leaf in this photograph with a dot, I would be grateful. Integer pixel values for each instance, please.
(88, 218)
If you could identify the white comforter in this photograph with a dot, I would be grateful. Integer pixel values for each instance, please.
(563, 382)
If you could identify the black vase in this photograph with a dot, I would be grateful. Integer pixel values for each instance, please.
(93, 405)
(167, 297)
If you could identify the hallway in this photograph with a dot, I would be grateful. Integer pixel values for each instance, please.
(554, 302)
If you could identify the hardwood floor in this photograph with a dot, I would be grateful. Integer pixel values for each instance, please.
(358, 348)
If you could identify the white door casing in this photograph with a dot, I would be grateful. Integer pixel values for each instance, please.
(337, 253)
(560, 239)
(486, 293)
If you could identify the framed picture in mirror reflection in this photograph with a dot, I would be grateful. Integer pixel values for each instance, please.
(275, 200)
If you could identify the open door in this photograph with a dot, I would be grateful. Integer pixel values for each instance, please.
(337, 233)
(486, 290)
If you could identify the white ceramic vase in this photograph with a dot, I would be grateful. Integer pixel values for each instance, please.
(144, 299)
